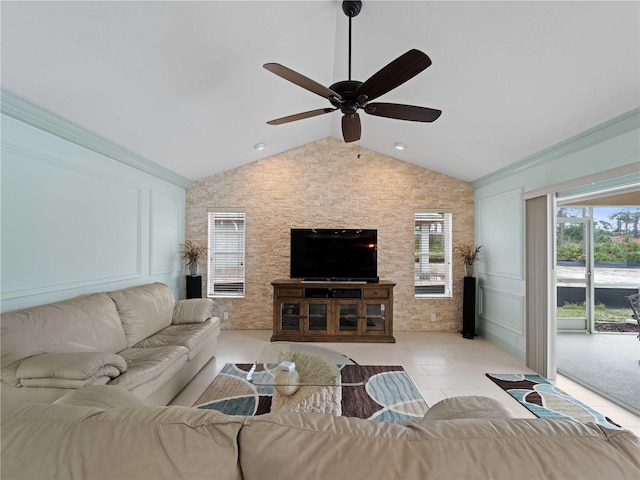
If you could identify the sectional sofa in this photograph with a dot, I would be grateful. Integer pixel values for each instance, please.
(105, 432)
(139, 338)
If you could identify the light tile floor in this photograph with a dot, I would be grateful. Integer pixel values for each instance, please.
(440, 364)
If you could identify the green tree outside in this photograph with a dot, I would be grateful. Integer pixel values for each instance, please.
(608, 246)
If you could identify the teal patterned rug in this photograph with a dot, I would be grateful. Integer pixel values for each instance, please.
(388, 395)
(545, 400)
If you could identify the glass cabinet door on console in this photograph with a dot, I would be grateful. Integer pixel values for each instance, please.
(290, 315)
(375, 318)
(348, 313)
(316, 317)
(377, 310)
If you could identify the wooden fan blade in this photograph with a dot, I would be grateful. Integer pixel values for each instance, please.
(403, 112)
(300, 116)
(301, 80)
(403, 68)
(351, 127)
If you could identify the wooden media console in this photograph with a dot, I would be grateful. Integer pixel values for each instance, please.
(332, 311)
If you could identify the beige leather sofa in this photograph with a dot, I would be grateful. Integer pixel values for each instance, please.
(104, 432)
(138, 338)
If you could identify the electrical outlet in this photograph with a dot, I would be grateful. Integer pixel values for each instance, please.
(225, 316)
(433, 317)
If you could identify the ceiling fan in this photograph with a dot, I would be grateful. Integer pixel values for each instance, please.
(351, 95)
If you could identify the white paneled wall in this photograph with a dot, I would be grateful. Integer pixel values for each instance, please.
(75, 221)
(500, 216)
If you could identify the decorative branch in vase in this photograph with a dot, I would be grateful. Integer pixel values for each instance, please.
(192, 253)
(469, 254)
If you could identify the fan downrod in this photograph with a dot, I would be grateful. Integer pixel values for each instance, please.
(351, 9)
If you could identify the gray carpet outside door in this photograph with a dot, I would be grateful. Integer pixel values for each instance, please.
(606, 362)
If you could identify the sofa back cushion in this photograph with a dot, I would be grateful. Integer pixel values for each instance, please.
(144, 310)
(447, 449)
(83, 324)
(63, 441)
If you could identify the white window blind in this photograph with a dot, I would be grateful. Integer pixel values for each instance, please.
(433, 248)
(226, 274)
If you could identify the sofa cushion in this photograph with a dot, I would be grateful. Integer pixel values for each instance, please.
(70, 442)
(100, 396)
(192, 310)
(144, 310)
(150, 368)
(467, 407)
(83, 324)
(450, 449)
(69, 370)
(191, 335)
(64, 383)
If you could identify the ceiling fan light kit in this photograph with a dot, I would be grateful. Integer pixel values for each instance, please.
(349, 96)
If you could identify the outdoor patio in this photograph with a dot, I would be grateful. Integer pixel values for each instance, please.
(608, 363)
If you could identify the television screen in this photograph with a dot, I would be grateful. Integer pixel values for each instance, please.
(334, 254)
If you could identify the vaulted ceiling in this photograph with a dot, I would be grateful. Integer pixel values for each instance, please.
(181, 83)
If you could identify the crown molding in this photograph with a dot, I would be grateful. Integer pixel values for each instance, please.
(25, 111)
(619, 125)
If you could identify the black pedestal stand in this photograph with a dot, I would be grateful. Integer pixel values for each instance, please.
(469, 308)
(194, 286)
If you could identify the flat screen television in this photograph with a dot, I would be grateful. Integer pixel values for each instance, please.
(334, 254)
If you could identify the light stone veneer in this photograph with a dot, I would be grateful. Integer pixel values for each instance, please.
(324, 185)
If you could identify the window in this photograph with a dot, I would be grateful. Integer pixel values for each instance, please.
(226, 254)
(432, 254)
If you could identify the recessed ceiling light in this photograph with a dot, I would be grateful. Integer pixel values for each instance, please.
(259, 146)
(399, 146)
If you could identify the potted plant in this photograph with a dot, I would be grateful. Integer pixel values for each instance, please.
(469, 254)
(192, 253)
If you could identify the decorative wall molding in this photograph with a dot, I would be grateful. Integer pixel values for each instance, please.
(31, 154)
(500, 224)
(508, 301)
(21, 109)
(58, 195)
(23, 156)
(42, 289)
(619, 125)
(162, 204)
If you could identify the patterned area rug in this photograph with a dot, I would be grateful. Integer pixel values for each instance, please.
(547, 401)
(388, 395)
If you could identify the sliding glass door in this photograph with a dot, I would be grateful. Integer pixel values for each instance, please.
(574, 270)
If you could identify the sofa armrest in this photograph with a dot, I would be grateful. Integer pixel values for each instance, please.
(456, 408)
(69, 370)
(193, 310)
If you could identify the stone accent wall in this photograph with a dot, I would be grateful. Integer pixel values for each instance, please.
(325, 185)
